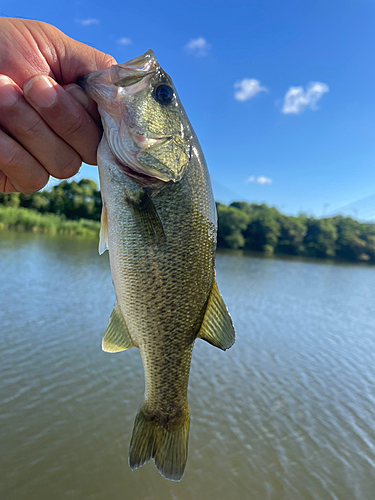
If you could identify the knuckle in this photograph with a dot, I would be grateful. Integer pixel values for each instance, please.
(11, 155)
(34, 128)
(73, 127)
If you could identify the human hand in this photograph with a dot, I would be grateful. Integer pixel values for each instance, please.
(48, 125)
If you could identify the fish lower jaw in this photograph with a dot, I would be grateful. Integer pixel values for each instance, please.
(140, 177)
(136, 172)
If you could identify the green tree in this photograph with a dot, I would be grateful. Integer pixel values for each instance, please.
(351, 239)
(320, 239)
(240, 225)
(370, 244)
(10, 200)
(263, 230)
(37, 201)
(292, 233)
(231, 223)
(76, 200)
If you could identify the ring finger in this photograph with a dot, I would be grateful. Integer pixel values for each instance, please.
(19, 171)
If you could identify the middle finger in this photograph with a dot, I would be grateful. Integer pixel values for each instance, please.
(28, 128)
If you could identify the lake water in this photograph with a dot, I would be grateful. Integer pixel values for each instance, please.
(287, 413)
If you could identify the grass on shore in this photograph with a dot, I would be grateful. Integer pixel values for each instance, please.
(25, 219)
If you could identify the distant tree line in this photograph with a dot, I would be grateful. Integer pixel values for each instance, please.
(242, 225)
(74, 200)
(258, 227)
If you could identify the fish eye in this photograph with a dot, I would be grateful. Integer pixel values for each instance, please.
(163, 94)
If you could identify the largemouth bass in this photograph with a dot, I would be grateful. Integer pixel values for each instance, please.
(159, 225)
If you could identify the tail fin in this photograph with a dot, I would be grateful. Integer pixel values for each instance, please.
(165, 442)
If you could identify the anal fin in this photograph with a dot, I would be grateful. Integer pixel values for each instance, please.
(217, 327)
(116, 336)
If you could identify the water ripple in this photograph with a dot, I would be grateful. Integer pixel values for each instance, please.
(287, 413)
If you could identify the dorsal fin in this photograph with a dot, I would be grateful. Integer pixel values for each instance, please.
(217, 327)
(103, 238)
(116, 336)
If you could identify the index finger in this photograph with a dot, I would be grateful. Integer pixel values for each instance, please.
(86, 101)
(64, 115)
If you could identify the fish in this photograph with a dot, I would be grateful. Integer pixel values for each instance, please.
(159, 225)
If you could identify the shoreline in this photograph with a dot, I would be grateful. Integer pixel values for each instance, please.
(27, 220)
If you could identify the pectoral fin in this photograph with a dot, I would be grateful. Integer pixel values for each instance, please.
(217, 327)
(147, 219)
(116, 336)
(103, 237)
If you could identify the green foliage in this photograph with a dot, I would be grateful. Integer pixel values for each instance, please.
(69, 208)
(270, 231)
(75, 208)
(320, 239)
(36, 201)
(10, 200)
(263, 228)
(292, 233)
(232, 222)
(354, 240)
(29, 220)
(74, 200)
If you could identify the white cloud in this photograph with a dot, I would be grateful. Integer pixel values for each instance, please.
(247, 89)
(198, 46)
(296, 100)
(124, 41)
(88, 21)
(264, 180)
(259, 180)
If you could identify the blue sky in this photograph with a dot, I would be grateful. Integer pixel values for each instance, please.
(281, 94)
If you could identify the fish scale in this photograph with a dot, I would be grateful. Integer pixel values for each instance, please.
(159, 225)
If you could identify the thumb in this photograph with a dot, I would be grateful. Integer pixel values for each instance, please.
(30, 47)
(77, 59)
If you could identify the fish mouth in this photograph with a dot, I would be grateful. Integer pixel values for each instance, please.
(109, 88)
(135, 70)
(120, 75)
(140, 177)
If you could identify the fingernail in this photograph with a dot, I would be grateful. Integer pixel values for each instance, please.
(78, 95)
(41, 91)
(8, 92)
